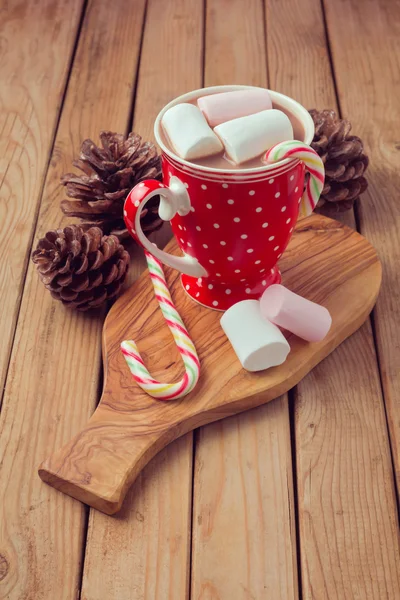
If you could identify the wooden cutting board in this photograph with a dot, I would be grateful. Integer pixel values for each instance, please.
(325, 262)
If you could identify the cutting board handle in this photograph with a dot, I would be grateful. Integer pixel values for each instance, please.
(101, 462)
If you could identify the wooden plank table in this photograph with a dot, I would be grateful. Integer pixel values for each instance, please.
(295, 499)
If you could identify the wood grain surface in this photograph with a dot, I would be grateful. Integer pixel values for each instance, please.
(154, 525)
(334, 565)
(37, 44)
(129, 427)
(347, 514)
(53, 381)
(244, 540)
(254, 478)
(370, 94)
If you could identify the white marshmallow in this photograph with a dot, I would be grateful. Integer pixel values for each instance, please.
(250, 136)
(219, 108)
(189, 133)
(258, 343)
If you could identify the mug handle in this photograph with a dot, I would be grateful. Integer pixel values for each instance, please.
(173, 199)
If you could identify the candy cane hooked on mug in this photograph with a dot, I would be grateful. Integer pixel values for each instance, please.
(313, 164)
(187, 350)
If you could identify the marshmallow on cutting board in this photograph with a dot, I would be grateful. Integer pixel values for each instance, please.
(219, 108)
(189, 133)
(306, 319)
(258, 344)
(248, 137)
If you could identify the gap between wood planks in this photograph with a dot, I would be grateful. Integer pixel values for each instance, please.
(195, 432)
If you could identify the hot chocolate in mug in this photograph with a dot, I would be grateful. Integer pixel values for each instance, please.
(232, 225)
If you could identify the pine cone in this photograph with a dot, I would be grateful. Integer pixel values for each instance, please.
(110, 173)
(344, 159)
(82, 269)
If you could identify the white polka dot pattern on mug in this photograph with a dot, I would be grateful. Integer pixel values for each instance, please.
(229, 233)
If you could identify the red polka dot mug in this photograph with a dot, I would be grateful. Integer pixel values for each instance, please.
(231, 225)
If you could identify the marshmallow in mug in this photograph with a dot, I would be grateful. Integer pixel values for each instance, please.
(189, 133)
(300, 316)
(219, 108)
(248, 137)
(258, 344)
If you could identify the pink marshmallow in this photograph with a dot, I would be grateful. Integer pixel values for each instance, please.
(219, 108)
(304, 318)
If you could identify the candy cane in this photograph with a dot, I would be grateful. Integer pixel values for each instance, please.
(314, 166)
(157, 389)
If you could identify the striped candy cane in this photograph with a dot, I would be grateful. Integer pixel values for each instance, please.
(314, 166)
(157, 389)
